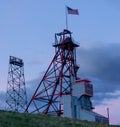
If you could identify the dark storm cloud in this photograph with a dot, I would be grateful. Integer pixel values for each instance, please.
(101, 62)
(101, 65)
(99, 97)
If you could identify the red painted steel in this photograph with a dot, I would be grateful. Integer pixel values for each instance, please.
(58, 78)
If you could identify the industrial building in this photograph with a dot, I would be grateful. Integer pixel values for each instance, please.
(78, 105)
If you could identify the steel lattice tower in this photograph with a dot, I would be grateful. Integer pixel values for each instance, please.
(58, 78)
(16, 99)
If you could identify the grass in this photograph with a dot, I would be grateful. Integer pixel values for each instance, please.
(13, 119)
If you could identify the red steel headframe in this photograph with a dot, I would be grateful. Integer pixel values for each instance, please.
(58, 78)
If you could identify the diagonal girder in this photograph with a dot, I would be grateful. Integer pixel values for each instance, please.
(57, 80)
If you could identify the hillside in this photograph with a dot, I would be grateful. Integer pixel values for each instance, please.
(12, 119)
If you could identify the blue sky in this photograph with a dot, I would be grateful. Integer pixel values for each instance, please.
(27, 30)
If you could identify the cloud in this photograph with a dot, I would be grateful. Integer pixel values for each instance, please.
(102, 64)
(30, 89)
(101, 96)
(32, 85)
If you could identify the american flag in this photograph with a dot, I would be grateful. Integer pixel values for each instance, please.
(72, 11)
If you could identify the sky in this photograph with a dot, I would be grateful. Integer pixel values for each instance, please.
(27, 29)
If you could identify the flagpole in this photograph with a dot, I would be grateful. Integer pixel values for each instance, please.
(66, 17)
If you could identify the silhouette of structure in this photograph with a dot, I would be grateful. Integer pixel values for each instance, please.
(16, 99)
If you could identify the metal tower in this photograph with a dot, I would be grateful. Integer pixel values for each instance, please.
(16, 99)
(57, 80)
